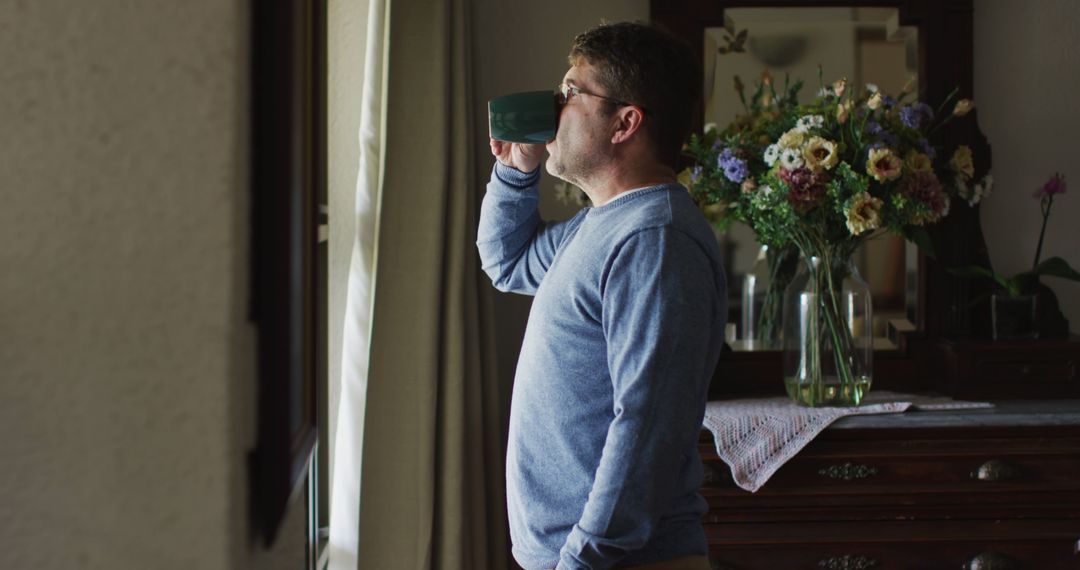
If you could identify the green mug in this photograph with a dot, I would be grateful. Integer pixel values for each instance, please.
(528, 117)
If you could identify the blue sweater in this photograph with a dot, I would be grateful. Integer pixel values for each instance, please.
(623, 337)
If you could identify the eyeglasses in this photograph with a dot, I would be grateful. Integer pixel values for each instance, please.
(564, 93)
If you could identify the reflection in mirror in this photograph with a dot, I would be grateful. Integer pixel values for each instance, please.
(864, 45)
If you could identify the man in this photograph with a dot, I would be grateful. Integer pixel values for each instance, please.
(626, 325)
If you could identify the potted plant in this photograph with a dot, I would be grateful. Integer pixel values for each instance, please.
(1015, 306)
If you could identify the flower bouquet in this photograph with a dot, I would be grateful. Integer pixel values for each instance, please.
(1014, 308)
(821, 178)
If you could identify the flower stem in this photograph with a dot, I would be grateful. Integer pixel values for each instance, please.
(1045, 204)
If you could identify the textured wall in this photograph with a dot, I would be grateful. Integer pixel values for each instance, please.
(1027, 75)
(126, 382)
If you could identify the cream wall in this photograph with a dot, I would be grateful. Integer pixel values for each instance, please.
(126, 360)
(1027, 76)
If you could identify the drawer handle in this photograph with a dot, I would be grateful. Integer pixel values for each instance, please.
(848, 471)
(996, 470)
(847, 562)
(991, 561)
(713, 475)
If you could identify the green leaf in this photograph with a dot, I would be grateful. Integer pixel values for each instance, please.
(921, 238)
(1057, 267)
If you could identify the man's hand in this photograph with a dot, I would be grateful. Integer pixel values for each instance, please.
(524, 157)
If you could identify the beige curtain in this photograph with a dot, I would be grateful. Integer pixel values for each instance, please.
(369, 65)
(432, 466)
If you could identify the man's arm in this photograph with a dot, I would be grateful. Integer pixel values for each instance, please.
(660, 300)
(516, 247)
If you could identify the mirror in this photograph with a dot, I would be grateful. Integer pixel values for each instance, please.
(947, 308)
(865, 45)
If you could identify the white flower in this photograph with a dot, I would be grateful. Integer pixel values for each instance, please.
(771, 154)
(791, 158)
(980, 191)
(872, 87)
(825, 92)
(709, 127)
(762, 197)
(962, 188)
(805, 123)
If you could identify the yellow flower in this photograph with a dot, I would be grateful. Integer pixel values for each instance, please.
(820, 154)
(714, 212)
(791, 139)
(883, 165)
(918, 162)
(963, 107)
(839, 86)
(962, 161)
(842, 111)
(748, 186)
(875, 100)
(684, 178)
(864, 214)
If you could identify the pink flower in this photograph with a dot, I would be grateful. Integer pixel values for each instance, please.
(806, 188)
(1056, 185)
(924, 187)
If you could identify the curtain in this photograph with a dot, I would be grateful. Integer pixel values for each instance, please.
(434, 415)
(348, 443)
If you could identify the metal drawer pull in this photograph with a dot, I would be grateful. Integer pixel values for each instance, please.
(713, 475)
(847, 471)
(847, 562)
(991, 561)
(996, 470)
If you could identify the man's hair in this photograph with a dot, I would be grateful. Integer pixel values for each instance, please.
(643, 65)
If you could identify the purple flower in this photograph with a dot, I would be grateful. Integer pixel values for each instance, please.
(927, 148)
(890, 139)
(888, 101)
(873, 127)
(725, 158)
(1056, 185)
(926, 110)
(736, 170)
(910, 117)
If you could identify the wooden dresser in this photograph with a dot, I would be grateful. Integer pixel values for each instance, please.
(979, 489)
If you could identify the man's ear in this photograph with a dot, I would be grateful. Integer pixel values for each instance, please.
(629, 119)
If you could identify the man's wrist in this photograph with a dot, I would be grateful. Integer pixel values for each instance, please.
(514, 177)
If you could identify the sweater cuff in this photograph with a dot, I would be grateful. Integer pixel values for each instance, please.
(516, 178)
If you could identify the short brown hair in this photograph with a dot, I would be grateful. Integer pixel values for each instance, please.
(643, 65)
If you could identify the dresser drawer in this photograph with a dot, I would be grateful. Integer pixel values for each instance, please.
(893, 545)
(994, 476)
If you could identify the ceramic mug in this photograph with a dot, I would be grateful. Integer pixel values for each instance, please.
(528, 117)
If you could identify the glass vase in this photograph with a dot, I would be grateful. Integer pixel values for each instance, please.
(828, 333)
(762, 297)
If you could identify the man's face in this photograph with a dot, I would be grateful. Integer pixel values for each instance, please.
(583, 140)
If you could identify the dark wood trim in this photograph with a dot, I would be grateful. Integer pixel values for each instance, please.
(287, 178)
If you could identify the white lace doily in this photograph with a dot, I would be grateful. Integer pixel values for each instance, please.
(756, 437)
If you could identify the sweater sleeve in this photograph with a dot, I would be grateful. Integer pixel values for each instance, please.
(516, 247)
(660, 300)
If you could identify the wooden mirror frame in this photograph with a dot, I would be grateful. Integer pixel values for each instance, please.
(949, 307)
